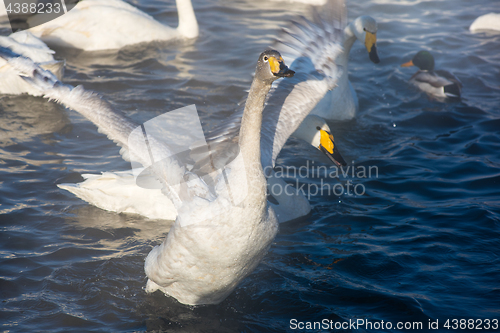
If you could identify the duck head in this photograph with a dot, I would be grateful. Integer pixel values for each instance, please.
(423, 60)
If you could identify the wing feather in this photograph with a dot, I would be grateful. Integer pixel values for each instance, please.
(317, 44)
(430, 78)
(178, 183)
(311, 47)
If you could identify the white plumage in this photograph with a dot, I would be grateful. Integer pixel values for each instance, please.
(340, 103)
(489, 21)
(25, 44)
(94, 25)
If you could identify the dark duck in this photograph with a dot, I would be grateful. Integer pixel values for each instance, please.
(438, 84)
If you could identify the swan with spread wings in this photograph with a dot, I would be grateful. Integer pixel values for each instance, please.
(286, 108)
(224, 225)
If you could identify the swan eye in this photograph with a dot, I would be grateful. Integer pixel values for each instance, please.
(265, 58)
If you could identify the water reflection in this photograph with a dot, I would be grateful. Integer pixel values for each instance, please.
(24, 118)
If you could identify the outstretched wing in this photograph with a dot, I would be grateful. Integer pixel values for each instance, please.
(127, 134)
(311, 47)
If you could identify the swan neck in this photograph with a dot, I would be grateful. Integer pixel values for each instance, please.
(251, 124)
(349, 39)
(188, 26)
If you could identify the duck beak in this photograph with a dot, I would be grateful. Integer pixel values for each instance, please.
(328, 147)
(371, 47)
(408, 64)
(279, 69)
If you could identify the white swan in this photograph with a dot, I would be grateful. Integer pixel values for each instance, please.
(340, 103)
(489, 21)
(25, 44)
(221, 232)
(94, 25)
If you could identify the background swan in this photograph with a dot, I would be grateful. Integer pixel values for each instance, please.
(112, 24)
(489, 21)
(340, 103)
(25, 44)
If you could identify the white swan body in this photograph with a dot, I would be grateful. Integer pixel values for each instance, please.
(489, 21)
(94, 25)
(203, 263)
(24, 43)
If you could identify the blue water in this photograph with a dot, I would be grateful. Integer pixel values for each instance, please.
(421, 243)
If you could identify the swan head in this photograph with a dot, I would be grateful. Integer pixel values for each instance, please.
(365, 29)
(423, 60)
(329, 148)
(316, 131)
(271, 66)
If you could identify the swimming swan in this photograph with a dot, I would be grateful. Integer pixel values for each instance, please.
(340, 103)
(489, 21)
(25, 44)
(438, 84)
(221, 233)
(94, 25)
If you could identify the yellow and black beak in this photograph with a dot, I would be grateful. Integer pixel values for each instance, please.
(408, 64)
(279, 69)
(371, 46)
(328, 147)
